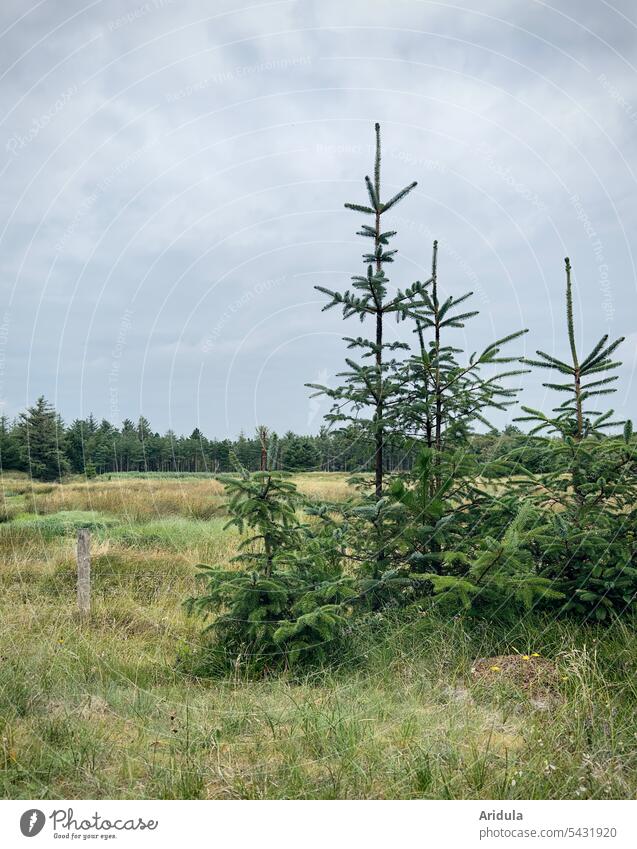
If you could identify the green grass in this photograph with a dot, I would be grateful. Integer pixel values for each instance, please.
(176, 533)
(106, 709)
(63, 523)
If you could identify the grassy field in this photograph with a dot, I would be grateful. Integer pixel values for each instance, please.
(102, 710)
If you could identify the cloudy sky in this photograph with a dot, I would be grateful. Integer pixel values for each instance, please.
(174, 173)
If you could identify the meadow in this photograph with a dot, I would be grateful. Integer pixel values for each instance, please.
(417, 707)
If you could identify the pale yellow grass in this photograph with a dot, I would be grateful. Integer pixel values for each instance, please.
(136, 499)
(139, 499)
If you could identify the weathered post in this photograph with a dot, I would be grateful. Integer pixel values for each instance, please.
(84, 572)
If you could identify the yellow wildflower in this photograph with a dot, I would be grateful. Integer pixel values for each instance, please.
(535, 654)
(494, 668)
(526, 657)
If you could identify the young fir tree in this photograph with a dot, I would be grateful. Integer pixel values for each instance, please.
(285, 603)
(442, 503)
(367, 399)
(372, 387)
(571, 419)
(442, 400)
(249, 603)
(430, 397)
(499, 576)
(588, 489)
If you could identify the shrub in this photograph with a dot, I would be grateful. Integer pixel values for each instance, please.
(281, 606)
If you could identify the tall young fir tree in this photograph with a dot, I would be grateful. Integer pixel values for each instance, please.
(372, 387)
(429, 397)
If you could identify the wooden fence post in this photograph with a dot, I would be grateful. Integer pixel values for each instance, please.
(84, 572)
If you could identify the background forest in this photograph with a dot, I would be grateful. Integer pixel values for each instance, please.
(40, 443)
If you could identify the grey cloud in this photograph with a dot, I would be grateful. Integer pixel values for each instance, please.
(169, 159)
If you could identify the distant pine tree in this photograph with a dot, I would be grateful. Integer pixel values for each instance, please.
(9, 448)
(300, 455)
(42, 442)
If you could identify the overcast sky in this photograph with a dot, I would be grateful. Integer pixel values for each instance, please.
(174, 173)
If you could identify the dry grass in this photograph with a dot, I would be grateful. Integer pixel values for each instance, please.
(536, 676)
(328, 486)
(137, 499)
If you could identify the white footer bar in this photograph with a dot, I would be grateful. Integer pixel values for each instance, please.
(318, 825)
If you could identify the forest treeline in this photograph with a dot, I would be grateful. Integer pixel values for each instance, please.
(38, 442)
